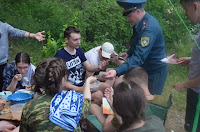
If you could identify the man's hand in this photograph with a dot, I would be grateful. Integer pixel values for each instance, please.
(184, 61)
(110, 74)
(116, 60)
(180, 87)
(39, 36)
(103, 64)
(124, 55)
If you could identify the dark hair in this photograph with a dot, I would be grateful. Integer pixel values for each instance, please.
(22, 57)
(48, 75)
(138, 74)
(189, 1)
(129, 102)
(70, 30)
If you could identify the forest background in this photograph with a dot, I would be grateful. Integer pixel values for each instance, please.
(100, 21)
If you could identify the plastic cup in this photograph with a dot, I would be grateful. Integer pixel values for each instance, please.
(16, 110)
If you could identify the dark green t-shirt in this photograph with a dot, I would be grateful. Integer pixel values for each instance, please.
(152, 124)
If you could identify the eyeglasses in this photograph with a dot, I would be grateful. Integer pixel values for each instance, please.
(22, 68)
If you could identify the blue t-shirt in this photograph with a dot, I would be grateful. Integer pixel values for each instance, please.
(74, 65)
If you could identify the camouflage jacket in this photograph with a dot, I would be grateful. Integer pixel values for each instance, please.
(35, 116)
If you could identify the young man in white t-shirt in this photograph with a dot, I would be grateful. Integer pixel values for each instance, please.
(95, 56)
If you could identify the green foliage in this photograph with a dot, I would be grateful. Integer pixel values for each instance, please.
(101, 21)
(172, 26)
(98, 22)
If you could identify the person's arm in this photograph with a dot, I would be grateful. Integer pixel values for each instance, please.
(118, 59)
(87, 91)
(107, 125)
(183, 86)
(140, 52)
(39, 36)
(87, 98)
(110, 74)
(124, 55)
(6, 126)
(88, 74)
(184, 61)
(13, 84)
(10, 77)
(15, 130)
(70, 86)
(92, 68)
(14, 32)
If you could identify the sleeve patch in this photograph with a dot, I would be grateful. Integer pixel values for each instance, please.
(144, 41)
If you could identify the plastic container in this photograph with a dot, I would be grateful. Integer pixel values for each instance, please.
(19, 98)
(95, 86)
(5, 94)
(16, 110)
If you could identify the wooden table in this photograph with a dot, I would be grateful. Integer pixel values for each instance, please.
(7, 116)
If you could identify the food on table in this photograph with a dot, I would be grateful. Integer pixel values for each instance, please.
(5, 110)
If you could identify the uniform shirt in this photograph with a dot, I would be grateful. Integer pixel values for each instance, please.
(74, 65)
(35, 116)
(5, 31)
(194, 71)
(10, 71)
(147, 47)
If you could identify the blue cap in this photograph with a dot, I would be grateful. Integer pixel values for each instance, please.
(130, 5)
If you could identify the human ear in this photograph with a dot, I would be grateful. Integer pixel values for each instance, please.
(137, 11)
(66, 40)
(63, 81)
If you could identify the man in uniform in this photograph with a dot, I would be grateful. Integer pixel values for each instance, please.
(147, 46)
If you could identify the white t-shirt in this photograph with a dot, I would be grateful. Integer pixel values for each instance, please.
(92, 56)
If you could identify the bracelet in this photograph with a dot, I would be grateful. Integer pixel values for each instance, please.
(29, 35)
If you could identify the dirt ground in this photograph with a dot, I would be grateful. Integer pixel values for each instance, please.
(175, 121)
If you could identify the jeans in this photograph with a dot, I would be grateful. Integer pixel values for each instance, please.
(192, 101)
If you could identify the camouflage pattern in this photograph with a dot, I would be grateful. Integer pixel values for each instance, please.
(35, 116)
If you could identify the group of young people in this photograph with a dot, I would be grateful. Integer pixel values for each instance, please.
(66, 99)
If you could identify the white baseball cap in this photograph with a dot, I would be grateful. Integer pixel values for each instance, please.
(107, 49)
